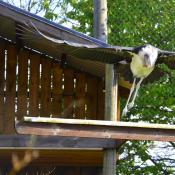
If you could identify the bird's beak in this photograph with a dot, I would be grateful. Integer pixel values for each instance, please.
(146, 61)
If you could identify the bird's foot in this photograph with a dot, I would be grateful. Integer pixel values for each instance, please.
(130, 105)
(125, 111)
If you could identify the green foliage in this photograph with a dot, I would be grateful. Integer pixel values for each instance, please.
(137, 22)
(82, 12)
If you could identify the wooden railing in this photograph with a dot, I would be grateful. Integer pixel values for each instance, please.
(35, 85)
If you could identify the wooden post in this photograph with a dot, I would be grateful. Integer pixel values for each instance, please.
(100, 32)
(111, 86)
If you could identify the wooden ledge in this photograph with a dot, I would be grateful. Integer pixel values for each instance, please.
(96, 129)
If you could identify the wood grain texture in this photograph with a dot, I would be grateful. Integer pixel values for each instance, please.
(57, 90)
(100, 100)
(34, 84)
(2, 83)
(10, 90)
(111, 107)
(68, 93)
(45, 93)
(80, 95)
(91, 97)
(22, 84)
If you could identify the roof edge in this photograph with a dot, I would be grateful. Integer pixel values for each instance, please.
(53, 24)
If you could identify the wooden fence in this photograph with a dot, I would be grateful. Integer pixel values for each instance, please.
(35, 85)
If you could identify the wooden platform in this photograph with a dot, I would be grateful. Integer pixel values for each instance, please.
(97, 129)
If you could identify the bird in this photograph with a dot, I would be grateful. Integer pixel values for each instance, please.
(142, 59)
(142, 64)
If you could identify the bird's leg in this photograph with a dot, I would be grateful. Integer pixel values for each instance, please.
(131, 104)
(125, 110)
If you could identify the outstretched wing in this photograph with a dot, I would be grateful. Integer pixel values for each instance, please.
(105, 54)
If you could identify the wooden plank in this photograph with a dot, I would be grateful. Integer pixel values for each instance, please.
(118, 106)
(22, 84)
(54, 142)
(2, 83)
(118, 131)
(68, 93)
(34, 84)
(45, 93)
(91, 97)
(99, 122)
(10, 90)
(57, 157)
(100, 100)
(57, 90)
(80, 95)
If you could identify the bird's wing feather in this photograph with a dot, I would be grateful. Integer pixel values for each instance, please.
(167, 57)
(106, 54)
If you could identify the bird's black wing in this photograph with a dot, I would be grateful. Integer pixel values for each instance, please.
(105, 54)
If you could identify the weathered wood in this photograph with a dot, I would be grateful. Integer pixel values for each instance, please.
(51, 142)
(22, 84)
(80, 95)
(57, 90)
(34, 84)
(2, 83)
(118, 106)
(68, 92)
(10, 90)
(104, 129)
(45, 93)
(100, 100)
(111, 104)
(91, 97)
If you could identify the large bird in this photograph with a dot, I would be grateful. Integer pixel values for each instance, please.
(142, 59)
(142, 64)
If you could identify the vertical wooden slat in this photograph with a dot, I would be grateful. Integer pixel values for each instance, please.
(2, 69)
(10, 90)
(45, 95)
(118, 107)
(101, 100)
(80, 95)
(34, 85)
(57, 90)
(68, 92)
(22, 84)
(91, 97)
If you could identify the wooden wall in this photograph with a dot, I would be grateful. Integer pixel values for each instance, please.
(55, 170)
(35, 85)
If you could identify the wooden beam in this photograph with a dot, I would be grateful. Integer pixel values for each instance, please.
(56, 142)
(100, 129)
(111, 104)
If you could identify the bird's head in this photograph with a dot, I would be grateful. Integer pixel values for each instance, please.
(148, 54)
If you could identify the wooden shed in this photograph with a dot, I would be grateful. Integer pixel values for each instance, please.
(39, 79)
